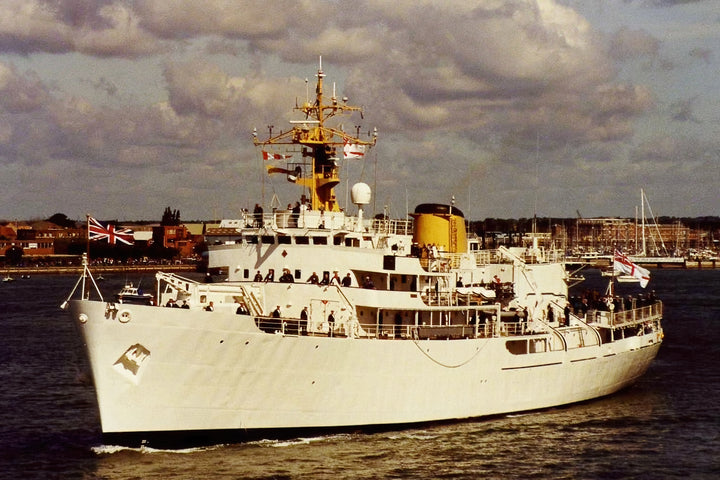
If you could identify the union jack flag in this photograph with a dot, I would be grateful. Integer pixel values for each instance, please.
(97, 231)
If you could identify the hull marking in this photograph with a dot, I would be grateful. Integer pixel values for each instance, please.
(131, 361)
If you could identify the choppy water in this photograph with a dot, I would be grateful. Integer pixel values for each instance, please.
(665, 426)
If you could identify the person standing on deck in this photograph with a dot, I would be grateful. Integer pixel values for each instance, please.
(303, 321)
(331, 323)
(270, 277)
(296, 214)
(567, 315)
(258, 214)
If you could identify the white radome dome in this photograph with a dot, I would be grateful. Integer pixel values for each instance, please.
(361, 194)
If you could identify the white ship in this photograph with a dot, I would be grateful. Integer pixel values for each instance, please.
(419, 325)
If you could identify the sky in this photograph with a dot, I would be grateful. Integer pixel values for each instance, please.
(119, 109)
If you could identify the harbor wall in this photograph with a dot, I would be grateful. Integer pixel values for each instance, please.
(685, 265)
(96, 269)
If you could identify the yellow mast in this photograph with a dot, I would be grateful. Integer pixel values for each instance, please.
(318, 170)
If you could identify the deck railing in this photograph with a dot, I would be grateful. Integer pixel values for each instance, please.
(624, 318)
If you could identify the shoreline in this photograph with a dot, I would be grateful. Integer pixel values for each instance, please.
(96, 269)
(101, 269)
(686, 265)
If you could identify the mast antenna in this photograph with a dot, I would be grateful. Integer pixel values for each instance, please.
(319, 145)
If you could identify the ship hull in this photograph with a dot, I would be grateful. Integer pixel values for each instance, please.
(164, 373)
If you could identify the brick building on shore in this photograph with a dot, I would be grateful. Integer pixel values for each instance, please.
(44, 239)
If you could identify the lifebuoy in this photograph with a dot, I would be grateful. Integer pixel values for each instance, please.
(124, 316)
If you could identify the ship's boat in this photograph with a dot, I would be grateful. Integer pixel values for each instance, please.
(329, 321)
(133, 294)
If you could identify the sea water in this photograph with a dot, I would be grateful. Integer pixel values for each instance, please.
(667, 425)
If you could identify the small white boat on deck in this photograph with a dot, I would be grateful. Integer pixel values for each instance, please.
(619, 276)
(627, 279)
(132, 294)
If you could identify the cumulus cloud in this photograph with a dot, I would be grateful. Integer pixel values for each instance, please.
(626, 44)
(20, 93)
(528, 65)
(105, 28)
(201, 89)
(687, 157)
(436, 64)
(73, 127)
(177, 19)
(492, 75)
(668, 3)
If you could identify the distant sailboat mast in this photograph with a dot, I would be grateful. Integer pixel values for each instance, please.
(534, 222)
(635, 245)
(642, 210)
(658, 246)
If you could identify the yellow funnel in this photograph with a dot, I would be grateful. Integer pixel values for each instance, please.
(440, 225)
